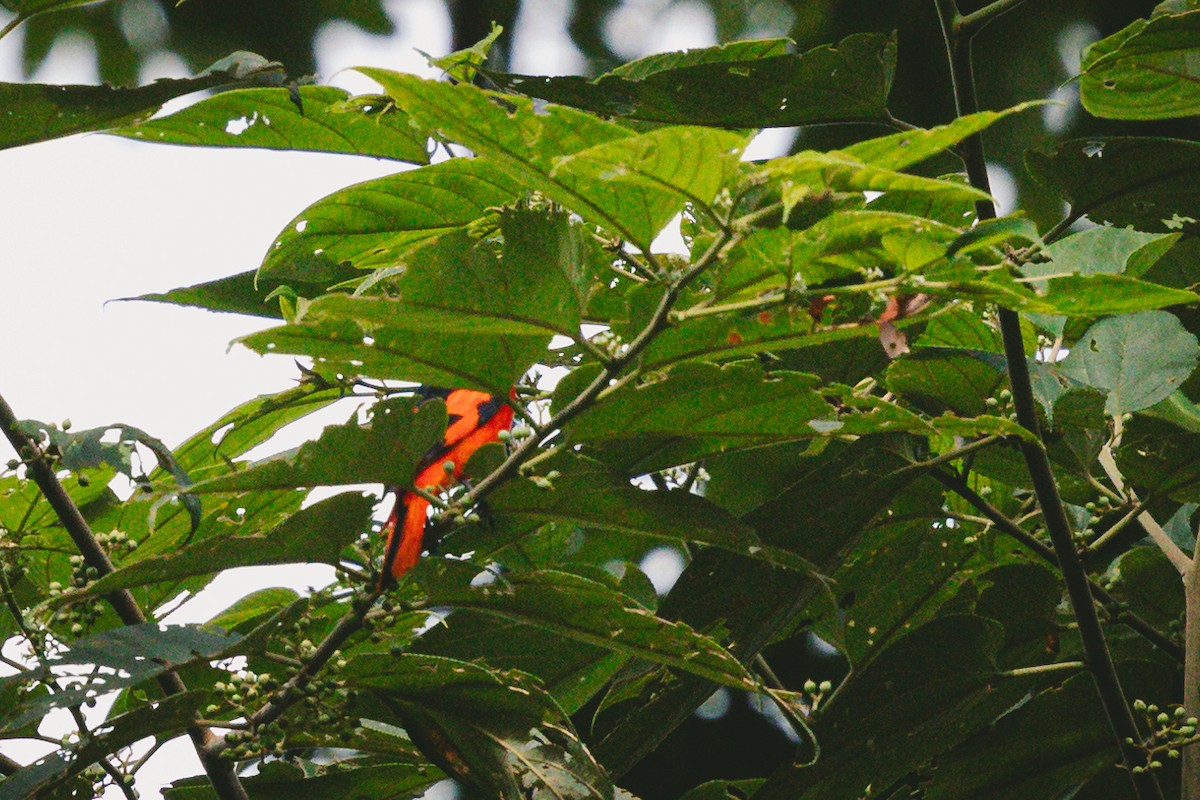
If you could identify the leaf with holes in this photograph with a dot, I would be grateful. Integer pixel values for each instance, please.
(322, 119)
(377, 222)
(1145, 182)
(740, 85)
(497, 732)
(1139, 359)
(1146, 71)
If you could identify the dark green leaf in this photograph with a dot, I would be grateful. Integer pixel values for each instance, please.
(241, 293)
(498, 732)
(1161, 459)
(746, 50)
(277, 780)
(931, 689)
(1148, 183)
(1149, 583)
(817, 505)
(315, 534)
(586, 611)
(944, 379)
(846, 82)
(386, 450)
(571, 671)
(1046, 747)
(35, 112)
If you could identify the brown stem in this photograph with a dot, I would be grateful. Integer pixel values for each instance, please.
(219, 771)
(1045, 487)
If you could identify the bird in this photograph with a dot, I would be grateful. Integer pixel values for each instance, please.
(474, 419)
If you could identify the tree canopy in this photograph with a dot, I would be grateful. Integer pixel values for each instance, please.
(929, 470)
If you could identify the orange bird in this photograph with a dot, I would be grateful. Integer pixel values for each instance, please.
(474, 419)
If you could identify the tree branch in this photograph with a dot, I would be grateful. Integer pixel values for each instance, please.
(220, 772)
(1008, 526)
(1099, 659)
(970, 24)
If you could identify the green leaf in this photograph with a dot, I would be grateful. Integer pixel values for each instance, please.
(585, 611)
(743, 88)
(902, 150)
(745, 50)
(316, 534)
(1139, 359)
(809, 173)
(246, 612)
(592, 496)
(377, 222)
(245, 293)
(1100, 250)
(1047, 746)
(325, 119)
(641, 182)
(1145, 182)
(498, 732)
(386, 450)
(571, 671)
(700, 408)
(376, 337)
(466, 312)
(1093, 295)
(161, 719)
(816, 505)
(461, 65)
(529, 143)
(1145, 71)
(894, 577)
(111, 660)
(37, 112)
(941, 379)
(931, 689)
(993, 232)
(277, 780)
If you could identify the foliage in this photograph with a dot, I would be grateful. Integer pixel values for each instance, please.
(865, 413)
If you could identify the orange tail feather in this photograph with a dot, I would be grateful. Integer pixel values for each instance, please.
(404, 546)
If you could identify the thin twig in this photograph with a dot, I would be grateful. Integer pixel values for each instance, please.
(293, 690)
(1166, 544)
(1042, 669)
(220, 772)
(1012, 529)
(970, 24)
